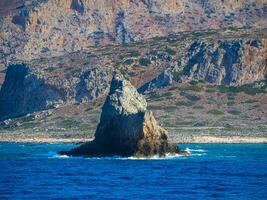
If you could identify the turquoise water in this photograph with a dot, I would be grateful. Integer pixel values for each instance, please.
(35, 171)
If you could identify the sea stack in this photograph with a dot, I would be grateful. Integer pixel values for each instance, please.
(126, 127)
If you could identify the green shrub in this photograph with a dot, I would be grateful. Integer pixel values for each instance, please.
(230, 103)
(167, 94)
(194, 88)
(50, 69)
(215, 112)
(176, 76)
(134, 54)
(144, 61)
(89, 109)
(193, 82)
(234, 112)
(154, 96)
(231, 98)
(198, 107)
(158, 38)
(250, 101)
(128, 62)
(169, 108)
(223, 88)
(183, 103)
(210, 90)
(170, 51)
(190, 97)
(183, 123)
(86, 128)
(154, 107)
(68, 123)
(29, 125)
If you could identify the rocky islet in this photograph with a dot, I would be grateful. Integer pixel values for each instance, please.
(126, 127)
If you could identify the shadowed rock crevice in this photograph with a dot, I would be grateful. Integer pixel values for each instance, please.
(23, 92)
(126, 128)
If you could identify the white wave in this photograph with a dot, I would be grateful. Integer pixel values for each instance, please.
(104, 158)
(50, 154)
(199, 154)
(195, 150)
(156, 157)
(168, 156)
(60, 156)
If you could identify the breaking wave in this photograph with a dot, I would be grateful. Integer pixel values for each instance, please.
(197, 152)
(156, 157)
(169, 156)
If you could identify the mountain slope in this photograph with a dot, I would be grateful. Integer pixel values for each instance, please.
(37, 28)
(217, 57)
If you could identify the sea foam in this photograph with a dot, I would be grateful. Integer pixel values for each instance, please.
(197, 152)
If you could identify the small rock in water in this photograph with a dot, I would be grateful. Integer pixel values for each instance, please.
(126, 127)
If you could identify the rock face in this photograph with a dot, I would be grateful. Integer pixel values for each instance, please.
(126, 126)
(27, 89)
(230, 62)
(163, 80)
(36, 28)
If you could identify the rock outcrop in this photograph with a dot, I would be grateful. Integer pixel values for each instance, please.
(231, 62)
(163, 80)
(27, 89)
(126, 127)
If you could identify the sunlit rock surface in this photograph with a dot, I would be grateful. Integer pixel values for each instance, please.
(126, 127)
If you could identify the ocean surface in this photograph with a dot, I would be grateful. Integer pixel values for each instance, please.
(214, 171)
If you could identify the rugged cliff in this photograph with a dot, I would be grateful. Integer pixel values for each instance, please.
(217, 57)
(231, 62)
(37, 28)
(25, 90)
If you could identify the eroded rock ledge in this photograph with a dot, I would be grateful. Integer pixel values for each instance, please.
(126, 127)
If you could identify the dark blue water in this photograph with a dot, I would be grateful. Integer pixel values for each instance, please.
(29, 171)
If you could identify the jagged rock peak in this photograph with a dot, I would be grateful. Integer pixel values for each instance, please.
(126, 127)
(123, 98)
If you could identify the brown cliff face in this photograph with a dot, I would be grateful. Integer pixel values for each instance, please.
(54, 27)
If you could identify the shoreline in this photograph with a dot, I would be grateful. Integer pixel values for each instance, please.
(205, 139)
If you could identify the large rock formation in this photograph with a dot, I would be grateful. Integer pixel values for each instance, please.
(126, 126)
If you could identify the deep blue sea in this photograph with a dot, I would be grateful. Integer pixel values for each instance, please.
(214, 171)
